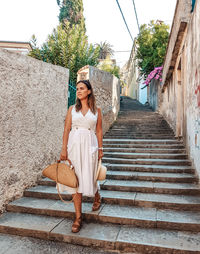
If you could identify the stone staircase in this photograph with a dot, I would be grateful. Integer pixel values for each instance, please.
(151, 201)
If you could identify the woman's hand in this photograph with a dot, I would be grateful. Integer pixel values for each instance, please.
(63, 155)
(100, 154)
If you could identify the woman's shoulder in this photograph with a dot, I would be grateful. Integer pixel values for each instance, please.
(71, 108)
(99, 111)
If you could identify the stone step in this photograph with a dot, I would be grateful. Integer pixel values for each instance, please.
(111, 213)
(142, 141)
(14, 244)
(142, 186)
(141, 132)
(144, 129)
(140, 114)
(151, 187)
(131, 155)
(139, 135)
(146, 161)
(143, 150)
(108, 236)
(142, 126)
(144, 146)
(150, 136)
(151, 176)
(150, 125)
(150, 168)
(125, 123)
(143, 120)
(139, 129)
(155, 200)
(146, 176)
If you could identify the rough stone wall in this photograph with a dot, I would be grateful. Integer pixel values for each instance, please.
(33, 105)
(107, 92)
(181, 98)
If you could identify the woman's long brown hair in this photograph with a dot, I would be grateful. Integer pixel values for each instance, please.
(91, 98)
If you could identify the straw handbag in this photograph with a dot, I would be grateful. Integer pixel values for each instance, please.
(63, 174)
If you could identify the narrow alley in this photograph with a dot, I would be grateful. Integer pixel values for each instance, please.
(151, 203)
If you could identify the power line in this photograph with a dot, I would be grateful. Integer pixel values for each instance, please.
(124, 19)
(136, 16)
(122, 51)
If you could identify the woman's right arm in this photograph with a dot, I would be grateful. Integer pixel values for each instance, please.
(67, 128)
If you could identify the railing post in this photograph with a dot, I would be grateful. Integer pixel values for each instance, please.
(71, 93)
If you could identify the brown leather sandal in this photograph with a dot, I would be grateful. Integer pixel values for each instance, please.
(97, 202)
(76, 226)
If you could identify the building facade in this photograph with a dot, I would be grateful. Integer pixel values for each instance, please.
(130, 77)
(179, 100)
(16, 46)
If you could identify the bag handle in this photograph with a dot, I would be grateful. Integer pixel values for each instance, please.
(66, 202)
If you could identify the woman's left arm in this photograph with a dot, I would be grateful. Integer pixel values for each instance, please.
(99, 133)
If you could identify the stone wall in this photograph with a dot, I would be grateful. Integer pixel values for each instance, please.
(33, 105)
(107, 92)
(181, 96)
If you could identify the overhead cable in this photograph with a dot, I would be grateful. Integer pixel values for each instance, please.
(124, 19)
(122, 51)
(136, 16)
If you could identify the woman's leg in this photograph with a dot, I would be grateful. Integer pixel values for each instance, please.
(78, 211)
(97, 202)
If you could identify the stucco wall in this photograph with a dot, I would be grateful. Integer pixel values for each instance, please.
(154, 94)
(191, 82)
(168, 103)
(33, 105)
(181, 17)
(179, 100)
(107, 92)
(130, 76)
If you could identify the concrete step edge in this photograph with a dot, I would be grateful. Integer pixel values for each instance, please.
(156, 200)
(59, 229)
(154, 219)
(144, 161)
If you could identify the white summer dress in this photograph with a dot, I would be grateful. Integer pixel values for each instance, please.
(83, 152)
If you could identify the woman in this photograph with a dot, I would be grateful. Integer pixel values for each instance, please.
(83, 148)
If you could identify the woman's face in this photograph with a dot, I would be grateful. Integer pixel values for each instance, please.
(82, 91)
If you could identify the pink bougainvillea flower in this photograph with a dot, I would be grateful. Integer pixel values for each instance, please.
(154, 74)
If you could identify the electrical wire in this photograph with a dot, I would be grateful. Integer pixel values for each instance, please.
(124, 20)
(119, 51)
(136, 15)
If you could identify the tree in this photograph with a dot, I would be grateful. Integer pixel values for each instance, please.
(105, 50)
(68, 47)
(151, 46)
(72, 12)
(109, 66)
